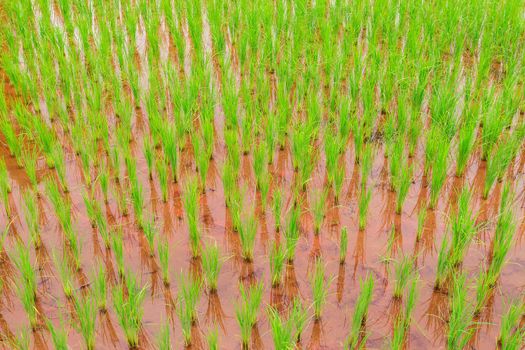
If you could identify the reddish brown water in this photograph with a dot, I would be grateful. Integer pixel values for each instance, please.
(365, 252)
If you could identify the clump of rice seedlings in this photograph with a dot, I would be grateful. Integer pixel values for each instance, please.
(512, 333)
(102, 225)
(299, 318)
(29, 159)
(211, 266)
(163, 340)
(247, 235)
(463, 227)
(356, 339)
(212, 338)
(318, 209)
(402, 185)
(246, 310)
(87, 316)
(404, 270)
(460, 321)
(59, 335)
(103, 179)
(421, 218)
(26, 285)
(65, 275)
(319, 288)
(189, 294)
(162, 171)
(171, 151)
(439, 174)
(164, 260)
(191, 207)
(277, 260)
(503, 236)
(137, 199)
(32, 214)
(60, 167)
(466, 142)
(100, 287)
(500, 160)
(338, 178)
(291, 234)
(149, 155)
(5, 187)
(150, 232)
(343, 245)
(4, 177)
(365, 195)
(127, 302)
(277, 204)
(282, 330)
(118, 249)
(202, 160)
(443, 264)
(402, 324)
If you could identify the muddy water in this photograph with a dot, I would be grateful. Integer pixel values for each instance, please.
(365, 252)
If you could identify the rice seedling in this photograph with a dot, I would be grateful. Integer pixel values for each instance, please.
(65, 274)
(150, 232)
(439, 175)
(404, 270)
(466, 142)
(299, 318)
(189, 294)
(87, 314)
(463, 227)
(277, 204)
(29, 160)
(365, 195)
(343, 245)
(277, 259)
(402, 324)
(103, 179)
(503, 236)
(319, 288)
(163, 340)
(246, 310)
(99, 287)
(191, 207)
(282, 330)
(402, 185)
(512, 333)
(211, 266)
(164, 260)
(149, 155)
(118, 250)
(318, 208)
(460, 321)
(443, 264)
(356, 338)
(127, 302)
(291, 233)
(212, 339)
(32, 215)
(247, 235)
(59, 335)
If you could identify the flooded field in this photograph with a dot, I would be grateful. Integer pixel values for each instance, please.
(316, 145)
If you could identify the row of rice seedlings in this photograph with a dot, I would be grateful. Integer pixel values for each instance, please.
(246, 310)
(128, 299)
(357, 337)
